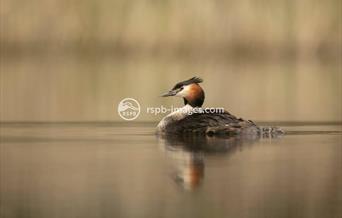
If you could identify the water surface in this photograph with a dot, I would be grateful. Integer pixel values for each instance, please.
(124, 170)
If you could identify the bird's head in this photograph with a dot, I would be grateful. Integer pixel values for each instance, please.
(189, 90)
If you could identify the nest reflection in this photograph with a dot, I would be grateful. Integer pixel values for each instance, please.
(188, 154)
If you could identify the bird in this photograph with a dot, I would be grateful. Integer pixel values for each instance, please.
(194, 120)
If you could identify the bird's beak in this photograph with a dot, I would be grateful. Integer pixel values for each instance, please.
(170, 93)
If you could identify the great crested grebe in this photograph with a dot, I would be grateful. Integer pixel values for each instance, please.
(192, 119)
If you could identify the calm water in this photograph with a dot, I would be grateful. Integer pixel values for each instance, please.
(124, 170)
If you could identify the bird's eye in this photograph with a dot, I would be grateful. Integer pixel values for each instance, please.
(181, 88)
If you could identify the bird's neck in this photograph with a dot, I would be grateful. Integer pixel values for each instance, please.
(195, 97)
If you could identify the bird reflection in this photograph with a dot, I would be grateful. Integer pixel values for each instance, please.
(187, 154)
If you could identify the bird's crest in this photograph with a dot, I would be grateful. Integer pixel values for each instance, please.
(188, 82)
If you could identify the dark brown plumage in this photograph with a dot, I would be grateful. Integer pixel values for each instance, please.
(212, 124)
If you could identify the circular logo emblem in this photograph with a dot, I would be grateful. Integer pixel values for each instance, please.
(129, 109)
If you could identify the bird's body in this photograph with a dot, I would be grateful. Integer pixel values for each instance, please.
(193, 119)
(205, 123)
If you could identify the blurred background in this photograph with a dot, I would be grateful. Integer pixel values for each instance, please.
(264, 60)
